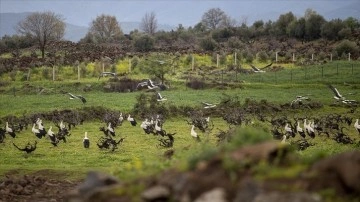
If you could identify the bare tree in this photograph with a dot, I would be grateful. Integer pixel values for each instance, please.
(149, 23)
(105, 28)
(44, 27)
(215, 18)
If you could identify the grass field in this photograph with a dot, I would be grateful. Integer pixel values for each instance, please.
(140, 155)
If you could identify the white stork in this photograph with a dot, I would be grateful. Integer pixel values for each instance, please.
(131, 120)
(111, 129)
(72, 96)
(357, 125)
(160, 98)
(86, 141)
(9, 130)
(194, 133)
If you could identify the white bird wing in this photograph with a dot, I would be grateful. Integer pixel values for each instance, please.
(336, 92)
(254, 68)
(72, 96)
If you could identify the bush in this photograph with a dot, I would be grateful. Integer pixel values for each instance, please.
(248, 136)
(262, 56)
(196, 84)
(144, 43)
(346, 47)
(208, 44)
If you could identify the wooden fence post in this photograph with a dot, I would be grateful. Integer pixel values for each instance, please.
(78, 71)
(53, 72)
(28, 75)
(235, 56)
(129, 65)
(192, 62)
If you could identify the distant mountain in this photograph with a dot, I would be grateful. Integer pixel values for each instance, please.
(8, 22)
(352, 10)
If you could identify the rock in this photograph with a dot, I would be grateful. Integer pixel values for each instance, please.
(156, 193)
(95, 180)
(267, 151)
(287, 196)
(248, 190)
(341, 172)
(215, 195)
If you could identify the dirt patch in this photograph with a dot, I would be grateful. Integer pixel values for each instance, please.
(43, 185)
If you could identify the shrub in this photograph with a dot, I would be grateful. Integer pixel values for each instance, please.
(196, 84)
(208, 44)
(144, 43)
(262, 56)
(346, 47)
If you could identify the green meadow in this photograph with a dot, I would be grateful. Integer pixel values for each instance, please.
(140, 154)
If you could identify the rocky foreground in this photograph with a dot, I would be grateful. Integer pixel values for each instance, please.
(242, 175)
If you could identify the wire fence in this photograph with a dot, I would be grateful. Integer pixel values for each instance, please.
(339, 73)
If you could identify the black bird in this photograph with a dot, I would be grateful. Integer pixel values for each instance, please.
(2, 135)
(28, 148)
(86, 141)
(72, 96)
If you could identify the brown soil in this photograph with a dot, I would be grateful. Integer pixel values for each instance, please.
(43, 185)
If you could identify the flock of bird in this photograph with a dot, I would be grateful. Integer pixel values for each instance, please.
(151, 125)
(154, 125)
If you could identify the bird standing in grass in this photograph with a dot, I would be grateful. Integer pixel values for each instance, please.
(111, 129)
(53, 139)
(36, 132)
(9, 130)
(160, 98)
(357, 126)
(131, 120)
(194, 133)
(86, 141)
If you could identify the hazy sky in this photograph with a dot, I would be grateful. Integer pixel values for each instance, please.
(173, 12)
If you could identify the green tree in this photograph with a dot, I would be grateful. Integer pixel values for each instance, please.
(313, 24)
(158, 65)
(297, 28)
(44, 27)
(330, 30)
(281, 25)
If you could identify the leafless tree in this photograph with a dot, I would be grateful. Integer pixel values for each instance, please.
(104, 29)
(149, 23)
(215, 18)
(44, 27)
